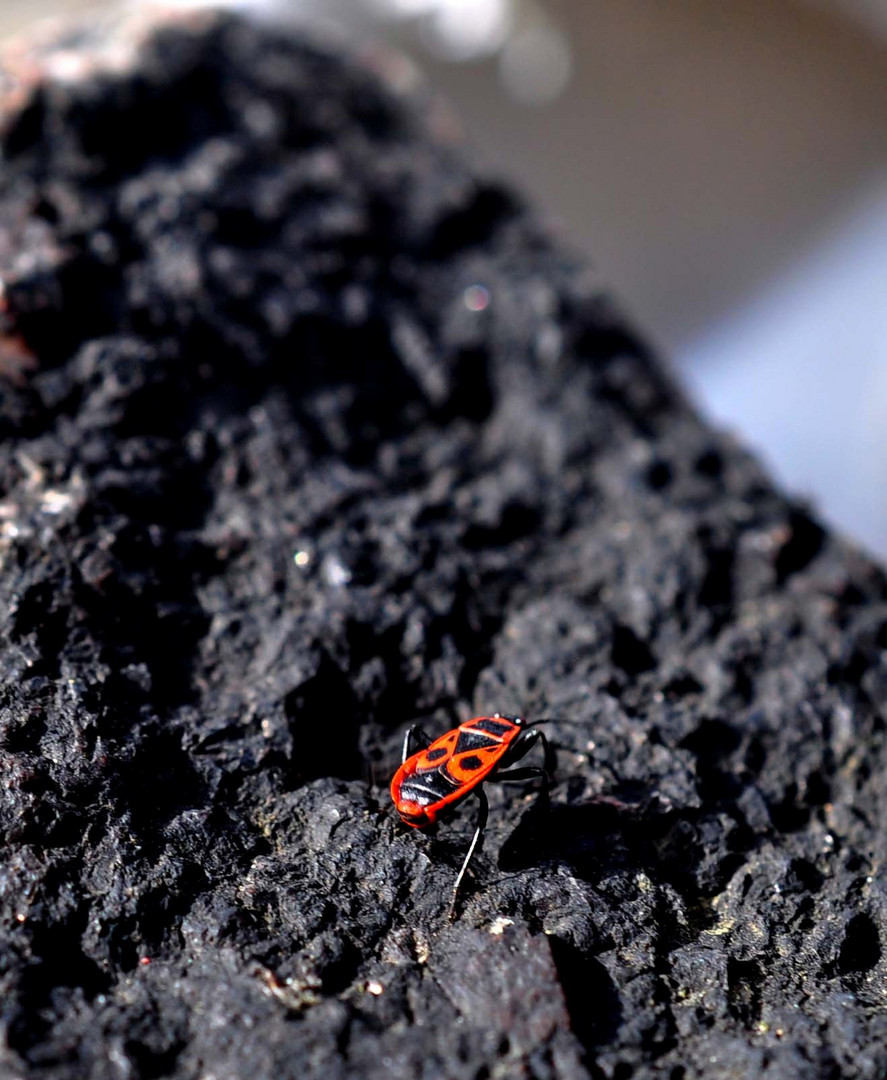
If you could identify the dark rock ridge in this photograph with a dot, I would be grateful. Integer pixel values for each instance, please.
(254, 307)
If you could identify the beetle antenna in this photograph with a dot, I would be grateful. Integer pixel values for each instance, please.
(550, 720)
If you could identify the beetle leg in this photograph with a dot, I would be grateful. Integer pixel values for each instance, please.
(517, 776)
(550, 756)
(525, 744)
(414, 732)
(482, 814)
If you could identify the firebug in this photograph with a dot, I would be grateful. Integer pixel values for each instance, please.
(433, 780)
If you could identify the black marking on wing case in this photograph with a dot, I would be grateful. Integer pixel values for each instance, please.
(493, 726)
(427, 787)
(470, 763)
(474, 740)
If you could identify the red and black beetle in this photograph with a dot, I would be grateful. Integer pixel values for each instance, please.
(433, 780)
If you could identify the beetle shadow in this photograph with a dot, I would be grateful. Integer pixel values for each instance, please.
(592, 837)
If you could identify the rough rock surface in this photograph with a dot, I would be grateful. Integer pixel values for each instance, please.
(255, 307)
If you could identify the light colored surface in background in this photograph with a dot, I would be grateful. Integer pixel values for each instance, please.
(803, 369)
(18, 15)
(725, 165)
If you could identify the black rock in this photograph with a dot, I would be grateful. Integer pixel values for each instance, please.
(308, 433)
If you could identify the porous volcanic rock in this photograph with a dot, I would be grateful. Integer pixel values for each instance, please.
(309, 433)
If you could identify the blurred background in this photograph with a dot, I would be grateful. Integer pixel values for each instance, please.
(725, 167)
